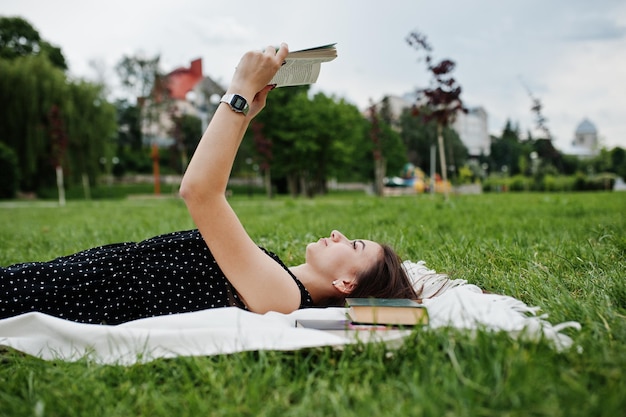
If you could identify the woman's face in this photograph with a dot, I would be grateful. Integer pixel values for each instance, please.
(340, 258)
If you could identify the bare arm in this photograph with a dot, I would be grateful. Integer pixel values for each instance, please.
(262, 283)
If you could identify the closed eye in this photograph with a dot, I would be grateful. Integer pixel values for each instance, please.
(358, 241)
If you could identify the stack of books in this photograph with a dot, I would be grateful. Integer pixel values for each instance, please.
(374, 314)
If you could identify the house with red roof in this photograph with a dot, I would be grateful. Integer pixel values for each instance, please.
(188, 92)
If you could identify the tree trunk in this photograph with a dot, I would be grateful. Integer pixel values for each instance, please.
(60, 186)
(292, 184)
(267, 180)
(442, 157)
(155, 169)
(379, 175)
(86, 187)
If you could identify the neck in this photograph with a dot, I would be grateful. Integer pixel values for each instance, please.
(320, 287)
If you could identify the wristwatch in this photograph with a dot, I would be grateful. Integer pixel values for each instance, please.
(236, 102)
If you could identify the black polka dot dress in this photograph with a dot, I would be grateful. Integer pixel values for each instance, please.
(112, 284)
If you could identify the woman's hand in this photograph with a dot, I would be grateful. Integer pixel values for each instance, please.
(253, 74)
(258, 103)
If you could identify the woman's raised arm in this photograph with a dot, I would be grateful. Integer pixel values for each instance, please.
(262, 283)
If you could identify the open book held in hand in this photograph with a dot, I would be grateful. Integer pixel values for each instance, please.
(303, 67)
(387, 311)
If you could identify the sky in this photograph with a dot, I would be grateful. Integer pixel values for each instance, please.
(570, 54)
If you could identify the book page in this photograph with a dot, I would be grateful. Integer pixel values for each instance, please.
(303, 67)
(297, 72)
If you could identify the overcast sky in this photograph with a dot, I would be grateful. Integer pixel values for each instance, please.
(571, 54)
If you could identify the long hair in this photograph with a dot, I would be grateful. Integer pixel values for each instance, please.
(385, 279)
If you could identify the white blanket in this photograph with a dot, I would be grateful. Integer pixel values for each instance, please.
(229, 330)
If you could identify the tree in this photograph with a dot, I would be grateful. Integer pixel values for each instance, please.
(9, 172)
(419, 135)
(58, 141)
(506, 150)
(387, 149)
(311, 138)
(18, 38)
(138, 74)
(443, 98)
(30, 87)
(618, 161)
(91, 129)
(45, 112)
(186, 131)
(379, 159)
(143, 79)
(129, 124)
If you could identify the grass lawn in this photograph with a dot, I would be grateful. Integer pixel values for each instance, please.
(563, 252)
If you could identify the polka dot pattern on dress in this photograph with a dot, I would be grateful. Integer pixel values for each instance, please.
(112, 284)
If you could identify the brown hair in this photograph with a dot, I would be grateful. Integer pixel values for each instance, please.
(386, 279)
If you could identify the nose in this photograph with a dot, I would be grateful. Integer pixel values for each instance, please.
(337, 236)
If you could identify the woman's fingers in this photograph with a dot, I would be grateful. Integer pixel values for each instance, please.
(282, 52)
(256, 69)
(258, 103)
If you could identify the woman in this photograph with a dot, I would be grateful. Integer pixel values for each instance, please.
(216, 265)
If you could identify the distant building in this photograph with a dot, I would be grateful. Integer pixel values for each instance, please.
(473, 131)
(395, 106)
(188, 92)
(585, 143)
(471, 126)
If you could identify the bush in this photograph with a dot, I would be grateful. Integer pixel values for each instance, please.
(9, 173)
(550, 183)
(519, 183)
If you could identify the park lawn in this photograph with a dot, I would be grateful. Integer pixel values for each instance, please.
(564, 252)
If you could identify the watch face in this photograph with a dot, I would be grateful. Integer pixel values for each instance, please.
(238, 102)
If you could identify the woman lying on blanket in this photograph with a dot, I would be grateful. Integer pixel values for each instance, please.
(177, 272)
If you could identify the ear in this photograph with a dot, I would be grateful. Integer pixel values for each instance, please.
(344, 286)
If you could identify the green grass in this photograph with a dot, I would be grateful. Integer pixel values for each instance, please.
(563, 252)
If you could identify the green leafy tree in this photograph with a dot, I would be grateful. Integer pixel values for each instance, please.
(311, 138)
(44, 111)
(91, 129)
(9, 172)
(186, 131)
(138, 74)
(419, 135)
(386, 147)
(443, 97)
(618, 161)
(129, 125)
(145, 83)
(507, 150)
(29, 88)
(18, 38)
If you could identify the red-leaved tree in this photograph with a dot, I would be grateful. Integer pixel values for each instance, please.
(442, 99)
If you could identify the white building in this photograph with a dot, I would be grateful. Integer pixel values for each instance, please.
(471, 126)
(585, 143)
(473, 131)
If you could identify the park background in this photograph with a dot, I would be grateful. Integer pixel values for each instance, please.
(537, 81)
(547, 230)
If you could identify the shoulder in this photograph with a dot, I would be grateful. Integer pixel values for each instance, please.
(305, 297)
